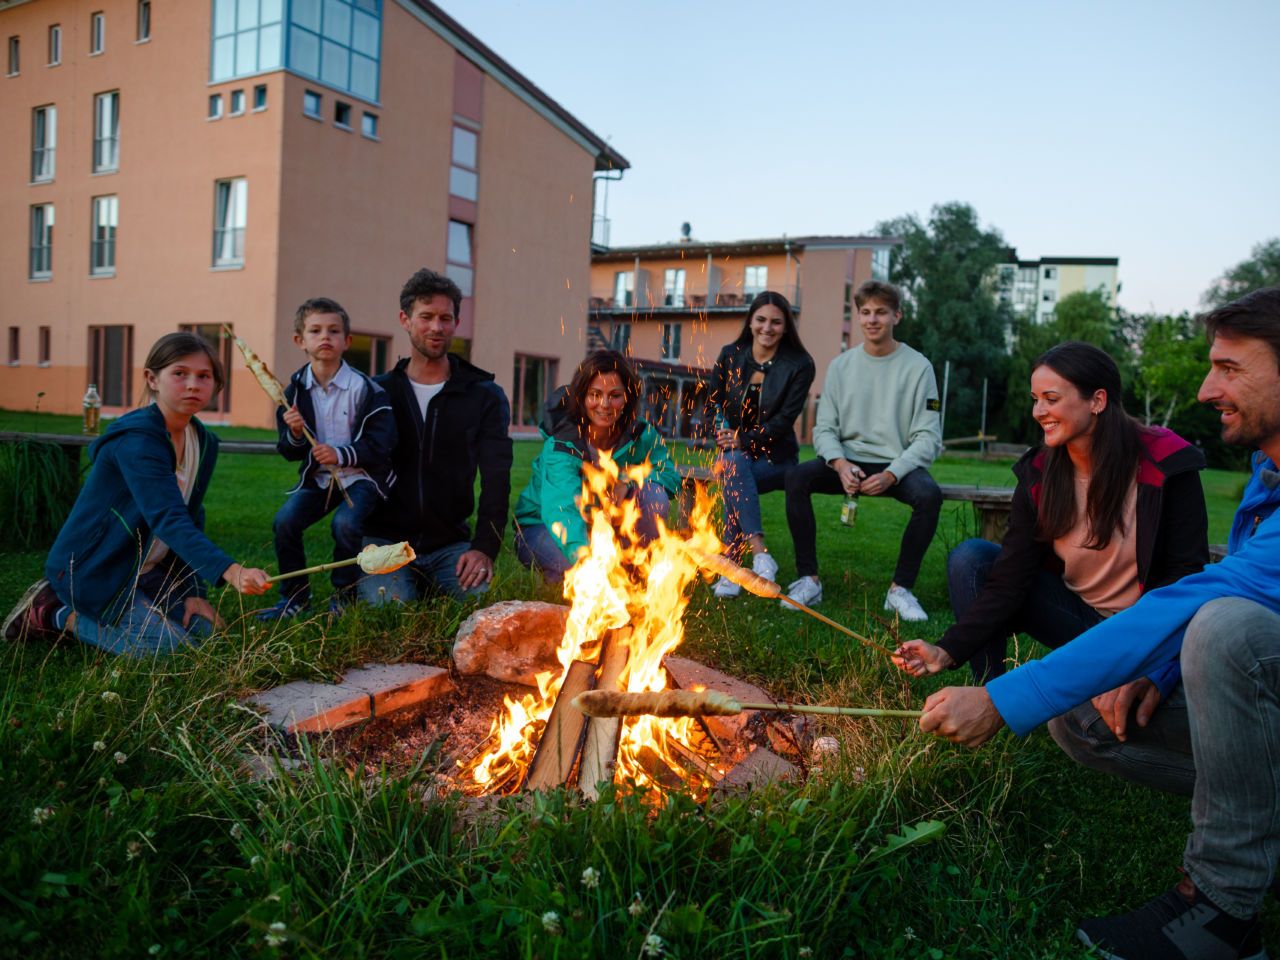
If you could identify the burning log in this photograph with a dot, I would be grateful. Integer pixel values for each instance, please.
(562, 737)
(600, 754)
(657, 769)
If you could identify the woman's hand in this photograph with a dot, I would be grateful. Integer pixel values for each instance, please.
(248, 580)
(727, 439)
(199, 607)
(921, 659)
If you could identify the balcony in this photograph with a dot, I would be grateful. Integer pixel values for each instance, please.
(683, 302)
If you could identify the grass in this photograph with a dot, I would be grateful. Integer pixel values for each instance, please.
(132, 829)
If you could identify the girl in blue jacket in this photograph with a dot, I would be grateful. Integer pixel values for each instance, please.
(127, 572)
(596, 413)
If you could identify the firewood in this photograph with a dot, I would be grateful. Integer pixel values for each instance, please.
(600, 753)
(562, 737)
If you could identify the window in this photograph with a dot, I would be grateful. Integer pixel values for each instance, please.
(260, 97)
(337, 42)
(144, 20)
(14, 59)
(533, 381)
(237, 102)
(97, 33)
(44, 141)
(673, 288)
(369, 354)
(111, 363)
(55, 45)
(45, 351)
(880, 264)
(311, 104)
(1051, 273)
(248, 38)
(369, 126)
(215, 106)
(1049, 296)
(231, 211)
(211, 333)
(40, 265)
(671, 341)
(755, 280)
(1026, 274)
(458, 256)
(15, 341)
(463, 179)
(106, 132)
(620, 337)
(624, 288)
(342, 114)
(102, 236)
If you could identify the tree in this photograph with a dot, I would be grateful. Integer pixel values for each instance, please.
(946, 270)
(1173, 361)
(1262, 269)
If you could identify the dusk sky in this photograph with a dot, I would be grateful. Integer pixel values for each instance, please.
(1147, 131)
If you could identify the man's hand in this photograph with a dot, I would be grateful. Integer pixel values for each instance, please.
(324, 454)
(1114, 705)
(293, 420)
(878, 483)
(963, 715)
(920, 659)
(727, 439)
(850, 474)
(199, 607)
(474, 568)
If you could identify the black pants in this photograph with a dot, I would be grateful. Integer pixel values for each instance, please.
(917, 490)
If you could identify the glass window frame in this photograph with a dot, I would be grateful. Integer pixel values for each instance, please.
(102, 250)
(369, 126)
(222, 344)
(673, 287)
(97, 33)
(529, 414)
(215, 107)
(144, 21)
(44, 345)
(44, 149)
(55, 44)
(342, 115)
(232, 109)
(230, 197)
(259, 97)
(114, 379)
(671, 342)
(14, 64)
(41, 221)
(318, 114)
(106, 146)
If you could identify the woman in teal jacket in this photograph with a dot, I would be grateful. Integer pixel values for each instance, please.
(127, 572)
(596, 413)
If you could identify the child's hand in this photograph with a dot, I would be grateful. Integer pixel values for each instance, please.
(294, 420)
(921, 659)
(248, 580)
(324, 454)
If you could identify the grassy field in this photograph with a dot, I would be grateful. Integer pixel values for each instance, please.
(132, 831)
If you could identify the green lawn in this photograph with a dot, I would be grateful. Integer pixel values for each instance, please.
(154, 842)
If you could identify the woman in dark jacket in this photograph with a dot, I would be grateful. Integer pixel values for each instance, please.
(1105, 510)
(758, 387)
(128, 568)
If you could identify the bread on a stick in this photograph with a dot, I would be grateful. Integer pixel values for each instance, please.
(656, 703)
(743, 577)
(270, 385)
(385, 558)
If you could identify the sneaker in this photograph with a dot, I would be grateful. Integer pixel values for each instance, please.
(33, 614)
(1181, 924)
(726, 588)
(762, 564)
(286, 608)
(338, 603)
(904, 603)
(806, 590)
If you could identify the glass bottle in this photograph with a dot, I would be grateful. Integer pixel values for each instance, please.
(849, 510)
(92, 410)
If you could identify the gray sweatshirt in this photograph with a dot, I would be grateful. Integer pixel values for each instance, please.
(880, 410)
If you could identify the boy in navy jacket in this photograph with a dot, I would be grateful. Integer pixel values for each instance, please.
(355, 431)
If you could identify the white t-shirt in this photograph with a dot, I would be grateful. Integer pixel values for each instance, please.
(185, 474)
(425, 392)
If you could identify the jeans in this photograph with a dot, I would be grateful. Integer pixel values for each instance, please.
(436, 571)
(149, 626)
(303, 508)
(1218, 740)
(917, 490)
(742, 480)
(537, 547)
(1051, 613)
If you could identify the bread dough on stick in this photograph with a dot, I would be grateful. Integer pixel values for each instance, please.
(656, 703)
(385, 558)
(743, 577)
(270, 385)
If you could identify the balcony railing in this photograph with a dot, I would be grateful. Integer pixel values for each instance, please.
(672, 301)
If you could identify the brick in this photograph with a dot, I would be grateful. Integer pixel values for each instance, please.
(395, 686)
(306, 707)
(758, 769)
(691, 675)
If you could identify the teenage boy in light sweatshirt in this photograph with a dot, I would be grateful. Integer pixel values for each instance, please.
(876, 433)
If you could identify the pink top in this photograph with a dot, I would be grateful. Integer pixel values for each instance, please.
(1106, 579)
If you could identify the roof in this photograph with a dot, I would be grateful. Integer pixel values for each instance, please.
(758, 247)
(1083, 261)
(471, 47)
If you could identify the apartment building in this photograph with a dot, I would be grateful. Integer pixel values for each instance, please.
(205, 163)
(1034, 287)
(672, 306)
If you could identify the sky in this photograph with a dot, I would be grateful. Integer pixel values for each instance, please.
(1148, 131)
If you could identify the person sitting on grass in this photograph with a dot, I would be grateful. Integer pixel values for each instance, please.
(1105, 510)
(758, 387)
(595, 414)
(127, 571)
(350, 417)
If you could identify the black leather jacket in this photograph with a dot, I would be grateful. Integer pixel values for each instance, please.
(782, 398)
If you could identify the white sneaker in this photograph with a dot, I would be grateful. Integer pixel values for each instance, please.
(724, 587)
(904, 603)
(806, 590)
(763, 564)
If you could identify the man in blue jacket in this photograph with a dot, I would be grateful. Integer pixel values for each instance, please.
(1224, 625)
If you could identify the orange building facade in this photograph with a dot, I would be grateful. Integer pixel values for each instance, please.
(217, 162)
(672, 307)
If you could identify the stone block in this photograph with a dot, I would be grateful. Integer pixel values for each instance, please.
(395, 686)
(690, 675)
(758, 769)
(513, 640)
(306, 707)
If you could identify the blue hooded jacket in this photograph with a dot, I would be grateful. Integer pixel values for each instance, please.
(130, 497)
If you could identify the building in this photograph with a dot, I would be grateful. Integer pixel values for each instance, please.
(673, 306)
(1034, 287)
(209, 162)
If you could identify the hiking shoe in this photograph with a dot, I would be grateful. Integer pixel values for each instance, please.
(726, 588)
(904, 603)
(286, 608)
(1180, 924)
(763, 565)
(33, 614)
(806, 590)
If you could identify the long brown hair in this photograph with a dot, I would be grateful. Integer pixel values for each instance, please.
(171, 348)
(790, 335)
(606, 361)
(1116, 447)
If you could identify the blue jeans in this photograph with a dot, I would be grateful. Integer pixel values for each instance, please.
(1050, 613)
(149, 626)
(434, 572)
(537, 547)
(1217, 737)
(742, 480)
(303, 508)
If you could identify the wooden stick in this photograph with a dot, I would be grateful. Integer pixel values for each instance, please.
(318, 568)
(697, 703)
(843, 629)
(831, 711)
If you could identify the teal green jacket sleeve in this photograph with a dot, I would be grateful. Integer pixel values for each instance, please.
(653, 448)
(561, 488)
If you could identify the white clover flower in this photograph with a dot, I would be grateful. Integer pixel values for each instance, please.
(805, 952)
(99, 746)
(653, 946)
(591, 878)
(551, 923)
(909, 934)
(255, 860)
(119, 757)
(636, 906)
(860, 776)
(41, 815)
(133, 850)
(276, 934)
(155, 949)
(237, 831)
(110, 696)
(115, 674)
